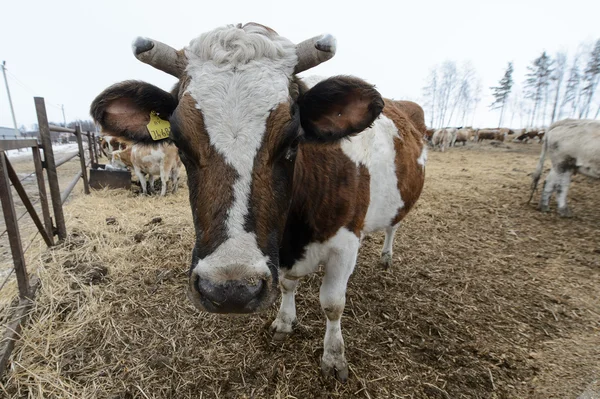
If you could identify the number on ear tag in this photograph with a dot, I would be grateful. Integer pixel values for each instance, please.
(159, 128)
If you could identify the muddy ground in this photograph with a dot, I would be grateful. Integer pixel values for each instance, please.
(487, 298)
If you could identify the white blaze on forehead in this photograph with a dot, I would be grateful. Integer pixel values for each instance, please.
(237, 77)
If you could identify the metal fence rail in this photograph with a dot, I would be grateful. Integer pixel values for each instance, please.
(46, 226)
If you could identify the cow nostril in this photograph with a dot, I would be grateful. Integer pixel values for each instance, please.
(231, 296)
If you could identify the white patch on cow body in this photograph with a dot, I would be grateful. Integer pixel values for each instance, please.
(374, 148)
(238, 76)
(422, 160)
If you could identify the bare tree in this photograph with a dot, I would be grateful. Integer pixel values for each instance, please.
(591, 78)
(476, 99)
(537, 82)
(557, 79)
(502, 91)
(572, 90)
(430, 92)
(447, 87)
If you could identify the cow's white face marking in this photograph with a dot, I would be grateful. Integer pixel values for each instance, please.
(237, 77)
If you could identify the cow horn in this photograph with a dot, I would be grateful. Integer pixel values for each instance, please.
(159, 55)
(314, 51)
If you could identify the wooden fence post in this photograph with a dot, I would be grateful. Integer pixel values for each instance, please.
(12, 228)
(90, 150)
(39, 175)
(86, 186)
(50, 165)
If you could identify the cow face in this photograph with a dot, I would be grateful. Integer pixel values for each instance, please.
(239, 118)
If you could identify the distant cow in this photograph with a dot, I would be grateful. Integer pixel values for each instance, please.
(573, 146)
(110, 144)
(429, 134)
(463, 135)
(528, 134)
(441, 139)
(156, 159)
(489, 134)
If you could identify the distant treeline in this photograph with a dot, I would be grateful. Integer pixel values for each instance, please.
(554, 88)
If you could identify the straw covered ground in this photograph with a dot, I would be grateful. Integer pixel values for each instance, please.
(487, 298)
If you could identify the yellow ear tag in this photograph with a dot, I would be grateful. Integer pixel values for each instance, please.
(159, 128)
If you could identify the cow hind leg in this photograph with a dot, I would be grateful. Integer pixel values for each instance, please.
(151, 179)
(562, 189)
(547, 190)
(385, 260)
(332, 296)
(286, 317)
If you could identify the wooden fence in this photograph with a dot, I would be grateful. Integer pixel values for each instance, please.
(47, 226)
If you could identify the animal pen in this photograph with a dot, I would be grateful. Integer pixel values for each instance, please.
(49, 227)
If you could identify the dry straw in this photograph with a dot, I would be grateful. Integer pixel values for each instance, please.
(483, 292)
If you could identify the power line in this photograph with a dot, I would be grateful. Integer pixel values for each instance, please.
(29, 89)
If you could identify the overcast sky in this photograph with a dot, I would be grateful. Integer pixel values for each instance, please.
(69, 51)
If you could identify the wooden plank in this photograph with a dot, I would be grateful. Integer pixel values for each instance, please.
(6, 145)
(12, 228)
(39, 174)
(86, 186)
(70, 187)
(12, 175)
(59, 218)
(60, 129)
(15, 325)
(67, 159)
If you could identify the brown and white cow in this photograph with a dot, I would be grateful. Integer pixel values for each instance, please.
(530, 134)
(573, 146)
(282, 176)
(152, 159)
(110, 144)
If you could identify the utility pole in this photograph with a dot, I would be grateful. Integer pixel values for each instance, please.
(62, 107)
(12, 111)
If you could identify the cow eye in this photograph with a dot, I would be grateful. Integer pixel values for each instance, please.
(292, 150)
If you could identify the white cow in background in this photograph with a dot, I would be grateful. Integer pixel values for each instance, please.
(573, 146)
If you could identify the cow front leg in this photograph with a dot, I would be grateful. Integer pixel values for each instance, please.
(286, 317)
(141, 178)
(387, 251)
(164, 177)
(338, 269)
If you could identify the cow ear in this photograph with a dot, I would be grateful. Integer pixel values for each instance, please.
(123, 109)
(338, 107)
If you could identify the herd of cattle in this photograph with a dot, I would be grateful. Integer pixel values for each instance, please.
(284, 173)
(441, 139)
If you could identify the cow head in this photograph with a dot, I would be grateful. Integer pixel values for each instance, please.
(240, 119)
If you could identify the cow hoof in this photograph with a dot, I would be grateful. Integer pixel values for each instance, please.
(385, 261)
(544, 208)
(281, 330)
(337, 368)
(565, 212)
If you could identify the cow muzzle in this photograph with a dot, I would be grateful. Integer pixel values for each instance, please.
(246, 295)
